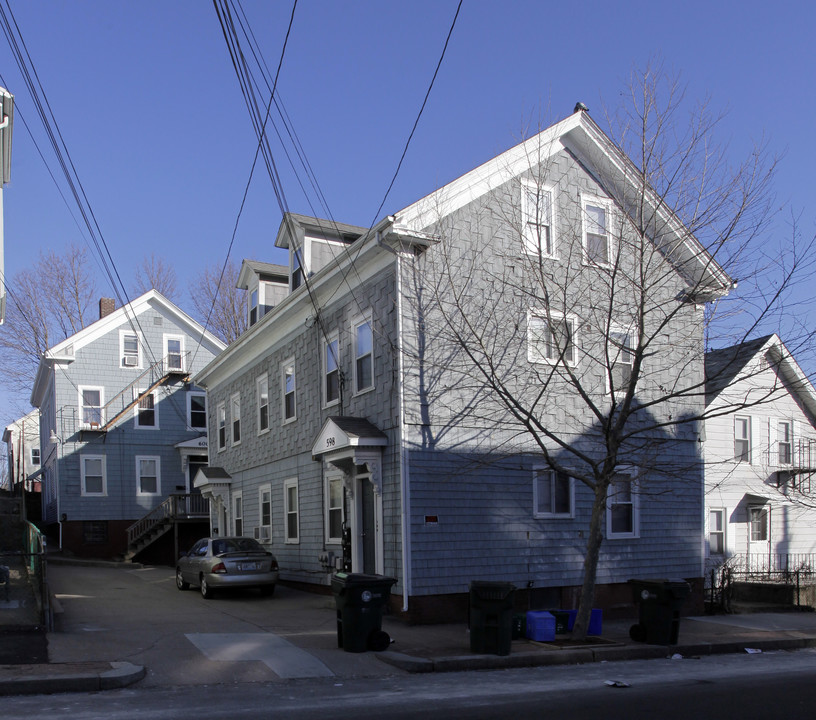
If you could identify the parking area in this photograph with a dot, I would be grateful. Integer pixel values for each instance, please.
(139, 616)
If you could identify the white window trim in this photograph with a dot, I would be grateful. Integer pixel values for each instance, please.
(238, 500)
(220, 412)
(330, 539)
(139, 343)
(31, 456)
(606, 205)
(531, 244)
(332, 338)
(612, 353)
(357, 322)
(635, 533)
(256, 291)
(709, 553)
(81, 404)
(284, 366)
(749, 438)
(83, 491)
(261, 490)
(136, 423)
(166, 338)
(190, 395)
(235, 401)
(773, 433)
(533, 354)
(551, 515)
(139, 492)
(258, 381)
(291, 482)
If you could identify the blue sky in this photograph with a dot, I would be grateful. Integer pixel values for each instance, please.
(150, 108)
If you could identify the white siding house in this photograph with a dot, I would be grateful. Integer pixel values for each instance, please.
(760, 454)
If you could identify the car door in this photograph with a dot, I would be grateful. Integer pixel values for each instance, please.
(190, 563)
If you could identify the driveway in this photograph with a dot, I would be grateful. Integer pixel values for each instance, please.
(139, 616)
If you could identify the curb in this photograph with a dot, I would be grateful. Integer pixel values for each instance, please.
(582, 656)
(67, 677)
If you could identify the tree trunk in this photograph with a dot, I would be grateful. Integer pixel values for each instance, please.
(593, 552)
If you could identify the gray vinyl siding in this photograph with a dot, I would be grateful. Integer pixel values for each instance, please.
(98, 364)
(284, 452)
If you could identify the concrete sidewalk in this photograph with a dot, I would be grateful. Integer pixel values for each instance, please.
(304, 623)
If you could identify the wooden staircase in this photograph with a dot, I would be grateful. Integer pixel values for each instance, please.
(160, 520)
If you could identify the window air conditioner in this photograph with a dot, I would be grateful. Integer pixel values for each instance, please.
(129, 361)
(262, 533)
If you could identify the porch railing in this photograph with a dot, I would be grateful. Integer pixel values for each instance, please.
(175, 507)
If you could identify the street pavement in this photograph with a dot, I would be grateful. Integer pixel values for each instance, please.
(117, 625)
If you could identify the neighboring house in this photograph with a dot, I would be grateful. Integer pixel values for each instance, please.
(332, 442)
(760, 455)
(22, 438)
(122, 428)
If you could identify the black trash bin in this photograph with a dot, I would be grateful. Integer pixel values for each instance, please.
(491, 617)
(360, 600)
(659, 603)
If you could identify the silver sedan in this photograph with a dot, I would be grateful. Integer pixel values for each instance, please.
(217, 563)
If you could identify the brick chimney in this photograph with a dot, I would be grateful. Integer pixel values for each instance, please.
(106, 306)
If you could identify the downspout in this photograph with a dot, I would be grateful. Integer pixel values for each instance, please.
(404, 479)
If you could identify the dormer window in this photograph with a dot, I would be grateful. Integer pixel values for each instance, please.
(297, 269)
(253, 307)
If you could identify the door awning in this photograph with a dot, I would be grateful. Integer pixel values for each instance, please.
(342, 435)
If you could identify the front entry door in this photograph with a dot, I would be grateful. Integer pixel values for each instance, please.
(759, 537)
(368, 527)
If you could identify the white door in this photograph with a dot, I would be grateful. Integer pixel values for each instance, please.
(759, 537)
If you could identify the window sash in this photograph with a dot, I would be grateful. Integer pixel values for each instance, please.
(742, 439)
(335, 509)
(236, 421)
(364, 357)
(551, 339)
(148, 476)
(238, 514)
(784, 443)
(266, 508)
(621, 510)
(263, 404)
(93, 476)
(146, 414)
(198, 411)
(289, 389)
(538, 220)
(332, 381)
(759, 524)
(716, 532)
(291, 495)
(554, 493)
(91, 406)
(597, 234)
(222, 427)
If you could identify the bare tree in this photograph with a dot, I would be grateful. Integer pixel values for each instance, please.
(47, 304)
(155, 274)
(219, 304)
(573, 331)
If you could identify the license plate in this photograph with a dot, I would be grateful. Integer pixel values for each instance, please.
(250, 566)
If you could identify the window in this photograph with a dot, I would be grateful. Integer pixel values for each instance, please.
(35, 456)
(289, 388)
(253, 307)
(758, 518)
(784, 441)
(331, 387)
(552, 493)
(716, 532)
(265, 513)
(363, 356)
(146, 416)
(148, 478)
(620, 360)
(196, 410)
(334, 509)
(235, 418)
(91, 400)
(297, 268)
(222, 427)
(238, 514)
(536, 211)
(262, 392)
(173, 353)
(129, 349)
(290, 497)
(596, 233)
(95, 532)
(550, 340)
(742, 439)
(92, 469)
(621, 508)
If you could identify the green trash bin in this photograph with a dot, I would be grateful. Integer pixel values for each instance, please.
(360, 600)
(491, 617)
(659, 603)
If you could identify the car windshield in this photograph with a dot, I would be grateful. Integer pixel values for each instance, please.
(236, 545)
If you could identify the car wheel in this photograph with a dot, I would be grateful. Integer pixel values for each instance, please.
(206, 590)
(180, 582)
(267, 590)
